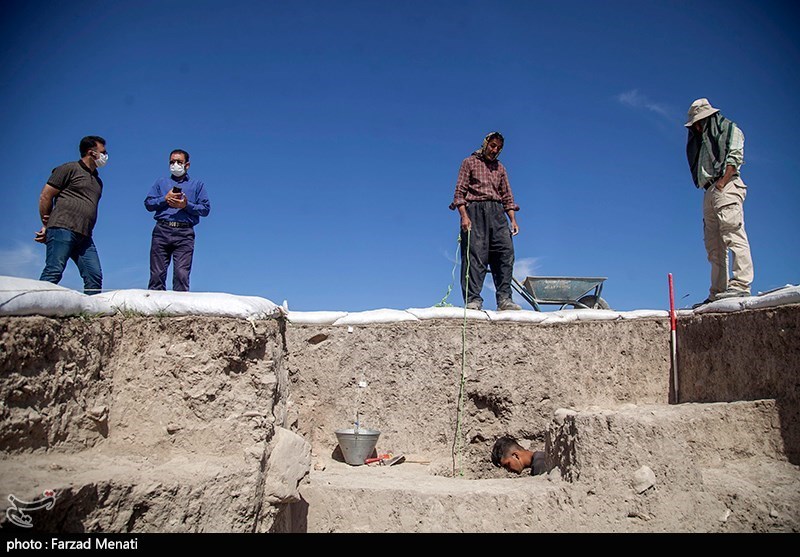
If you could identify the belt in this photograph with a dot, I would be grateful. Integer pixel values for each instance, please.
(175, 224)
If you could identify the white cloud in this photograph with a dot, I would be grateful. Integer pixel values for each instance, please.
(525, 267)
(634, 99)
(23, 261)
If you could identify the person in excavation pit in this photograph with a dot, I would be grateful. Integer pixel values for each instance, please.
(509, 454)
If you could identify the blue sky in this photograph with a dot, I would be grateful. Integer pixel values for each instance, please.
(329, 136)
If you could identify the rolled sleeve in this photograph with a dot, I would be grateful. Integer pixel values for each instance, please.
(459, 197)
(506, 195)
(735, 155)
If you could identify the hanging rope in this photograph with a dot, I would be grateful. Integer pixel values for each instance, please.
(457, 442)
(443, 303)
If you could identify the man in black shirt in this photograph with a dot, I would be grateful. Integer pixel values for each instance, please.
(68, 209)
(508, 453)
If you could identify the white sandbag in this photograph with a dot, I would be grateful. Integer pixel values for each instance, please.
(785, 296)
(375, 316)
(722, 306)
(596, 314)
(22, 296)
(640, 313)
(450, 312)
(165, 302)
(561, 316)
(789, 294)
(522, 315)
(314, 317)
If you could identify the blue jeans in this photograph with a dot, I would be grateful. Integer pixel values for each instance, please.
(62, 245)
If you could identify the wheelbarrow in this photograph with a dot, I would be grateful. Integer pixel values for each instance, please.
(578, 292)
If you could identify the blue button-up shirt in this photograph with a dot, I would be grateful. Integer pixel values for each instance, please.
(197, 203)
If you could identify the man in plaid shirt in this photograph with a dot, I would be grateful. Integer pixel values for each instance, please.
(483, 198)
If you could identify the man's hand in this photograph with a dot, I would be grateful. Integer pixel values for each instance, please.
(513, 222)
(41, 236)
(175, 200)
(466, 223)
(727, 177)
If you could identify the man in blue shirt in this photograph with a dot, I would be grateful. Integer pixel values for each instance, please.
(178, 202)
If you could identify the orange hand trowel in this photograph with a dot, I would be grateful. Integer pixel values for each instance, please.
(385, 459)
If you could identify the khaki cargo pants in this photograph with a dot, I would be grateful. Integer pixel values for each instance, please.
(723, 230)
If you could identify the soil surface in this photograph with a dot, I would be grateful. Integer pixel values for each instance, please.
(203, 424)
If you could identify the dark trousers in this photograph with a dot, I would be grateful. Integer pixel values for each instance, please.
(176, 244)
(490, 244)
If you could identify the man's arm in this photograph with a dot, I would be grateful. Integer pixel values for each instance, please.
(202, 206)
(45, 208)
(514, 226)
(459, 201)
(735, 155)
(461, 185)
(730, 171)
(155, 200)
(734, 159)
(508, 203)
(46, 202)
(466, 223)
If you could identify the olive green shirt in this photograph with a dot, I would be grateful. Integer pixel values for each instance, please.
(75, 206)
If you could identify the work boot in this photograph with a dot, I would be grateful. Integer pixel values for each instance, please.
(506, 305)
(475, 304)
(733, 293)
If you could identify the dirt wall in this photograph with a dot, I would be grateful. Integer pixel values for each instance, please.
(515, 376)
(170, 413)
(748, 355)
(197, 424)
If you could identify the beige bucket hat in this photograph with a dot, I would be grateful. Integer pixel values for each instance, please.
(700, 109)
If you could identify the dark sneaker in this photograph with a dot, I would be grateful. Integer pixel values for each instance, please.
(475, 304)
(704, 302)
(507, 305)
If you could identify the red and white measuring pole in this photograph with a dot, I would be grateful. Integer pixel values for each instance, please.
(672, 331)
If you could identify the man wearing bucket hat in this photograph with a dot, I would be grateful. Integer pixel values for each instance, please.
(715, 152)
(483, 198)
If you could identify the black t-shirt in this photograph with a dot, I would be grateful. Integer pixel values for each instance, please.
(538, 465)
(75, 206)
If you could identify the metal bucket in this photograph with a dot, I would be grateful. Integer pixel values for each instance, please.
(357, 445)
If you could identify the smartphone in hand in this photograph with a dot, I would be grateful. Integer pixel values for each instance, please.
(176, 189)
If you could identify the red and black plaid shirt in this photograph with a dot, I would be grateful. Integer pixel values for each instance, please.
(482, 180)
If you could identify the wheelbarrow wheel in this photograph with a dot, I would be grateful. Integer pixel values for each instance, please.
(592, 302)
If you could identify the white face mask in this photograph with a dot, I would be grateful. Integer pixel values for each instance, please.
(177, 169)
(101, 160)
